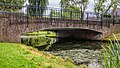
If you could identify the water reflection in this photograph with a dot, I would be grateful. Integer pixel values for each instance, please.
(94, 64)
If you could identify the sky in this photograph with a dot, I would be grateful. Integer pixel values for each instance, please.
(55, 3)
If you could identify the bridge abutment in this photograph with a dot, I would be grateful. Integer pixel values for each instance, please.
(8, 33)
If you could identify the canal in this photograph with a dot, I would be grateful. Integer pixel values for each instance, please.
(80, 52)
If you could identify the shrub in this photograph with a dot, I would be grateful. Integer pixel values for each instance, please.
(38, 41)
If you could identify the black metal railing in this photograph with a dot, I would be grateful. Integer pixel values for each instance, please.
(28, 13)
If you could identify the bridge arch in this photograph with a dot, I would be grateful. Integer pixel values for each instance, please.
(76, 33)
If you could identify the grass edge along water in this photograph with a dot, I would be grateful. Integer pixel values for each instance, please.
(14, 55)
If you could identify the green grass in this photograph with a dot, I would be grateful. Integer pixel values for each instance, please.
(41, 33)
(111, 54)
(21, 56)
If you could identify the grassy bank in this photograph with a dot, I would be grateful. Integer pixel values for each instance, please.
(40, 33)
(21, 56)
(111, 37)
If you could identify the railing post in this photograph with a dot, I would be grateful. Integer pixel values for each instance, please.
(10, 19)
(70, 14)
(27, 15)
(87, 18)
(61, 8)
(101, 21)
(36, 7)
(77, 16)
(113, 19)
(51, 15)
(109, 21)
(61, 12)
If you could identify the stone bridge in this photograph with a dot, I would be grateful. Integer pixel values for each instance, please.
(12, 25)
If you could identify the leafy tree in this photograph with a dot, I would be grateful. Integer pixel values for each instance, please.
(102, 6)
(37, 7)
(79, 5)
(11, 5)
(113, 4)
(99, 6)
(34, 7)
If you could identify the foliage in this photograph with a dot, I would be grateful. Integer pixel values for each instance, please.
(77, 5)
(12, 2)
(113, 4)
(66, 4)
(103, 6)
(40, 33)
(66, 14)
(37, 7)
(99, 6)
(111, 55)
(21, 56)
(37, 41)
(11, 5)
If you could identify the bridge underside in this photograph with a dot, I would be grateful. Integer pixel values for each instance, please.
(76, 33)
